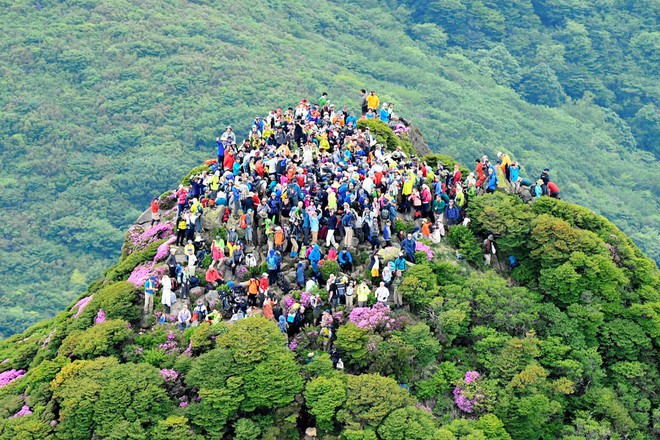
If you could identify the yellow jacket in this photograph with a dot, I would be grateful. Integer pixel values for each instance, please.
(373, 101)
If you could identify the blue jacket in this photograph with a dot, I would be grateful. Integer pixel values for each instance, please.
(345, 257)
(409, 246)
(387, 234)
(400, 264)
(221, 148)
(452, 212)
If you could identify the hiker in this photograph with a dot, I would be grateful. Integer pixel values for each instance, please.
(167, 294)
(408, 246)
(362, 294)
(382, 294)
(149, 290)
(488, 248)
(183, 318)
(155, 212)
(345, 260)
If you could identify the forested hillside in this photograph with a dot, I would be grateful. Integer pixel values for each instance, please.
(565, 345)
(105, 103)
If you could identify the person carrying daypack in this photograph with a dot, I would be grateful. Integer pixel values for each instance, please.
(488, 248)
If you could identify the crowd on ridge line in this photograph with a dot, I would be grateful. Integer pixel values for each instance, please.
(308, 185)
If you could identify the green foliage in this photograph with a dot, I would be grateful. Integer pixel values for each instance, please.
(329, 268)
(24, 428)
(323, 397)
(100, 340)
(124, 268)
(427, 346)
(385, 136)
(173, 428)
(352, 342)
(419, 286)
(407, 423)
(462, 238)
(197, 170)
(251, 350)
(95, 397)
(371, 398)
(118, 301)
(246, 429)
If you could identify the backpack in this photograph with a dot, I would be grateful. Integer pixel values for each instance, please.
(513, 262)
(290, 318)
(250, 260)
(243, 221)
(384, 213)
(323, 232)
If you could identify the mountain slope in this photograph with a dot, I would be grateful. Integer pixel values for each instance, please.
(564, 346)
(104, 101)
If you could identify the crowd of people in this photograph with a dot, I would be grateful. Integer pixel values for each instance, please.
(309, 186)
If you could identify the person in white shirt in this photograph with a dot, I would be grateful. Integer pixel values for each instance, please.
(382, 293)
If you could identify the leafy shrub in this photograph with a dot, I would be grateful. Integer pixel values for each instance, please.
(419, 286)
(246, 429)
(124, 268)
(370, 399)
(98, 397)
(407, 423)
(173, 428)
(463, 239)
(324, 396)
(385, 136)
(403, 226)
(352, 343)
(117, 300)
(197, 170)
(100, 340)
(329, 268)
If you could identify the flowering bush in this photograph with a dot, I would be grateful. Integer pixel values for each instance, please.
(80, 305)
(138, 238)
(421, 247)
(144, 271)
(25, 411)
(100, 317)
(374, 318)
(48, 338)
(242, 273)
(305, 299)
(469, 394)
(169, 375)
(287, 302)
(9, 376)
(164, 249)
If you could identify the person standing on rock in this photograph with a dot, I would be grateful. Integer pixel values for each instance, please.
(363, 294)
(155, 212)
(149, 290)
(166, 300)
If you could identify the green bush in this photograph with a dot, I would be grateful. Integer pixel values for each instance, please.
(352, 343)
(123, 269)
(246, 429)
(323, 397)
(329, 268)
(370, 399)
(118, 301)
(100, 340)
(197, 170)
(419, 286)
(403, 226)
(96, 398)
(462, 238)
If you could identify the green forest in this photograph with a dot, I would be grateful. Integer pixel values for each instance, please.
(104, 104)
(566, 345)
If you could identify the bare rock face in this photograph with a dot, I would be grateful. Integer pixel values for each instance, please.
(418, 141)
